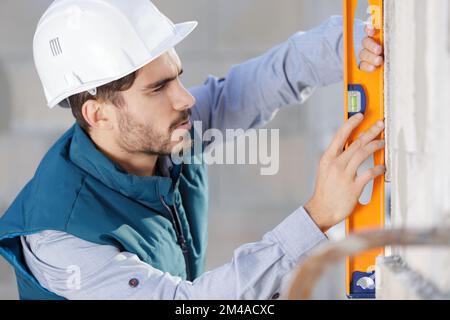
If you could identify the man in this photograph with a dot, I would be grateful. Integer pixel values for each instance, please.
(108, 215)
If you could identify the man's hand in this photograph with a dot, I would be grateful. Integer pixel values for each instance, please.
(338, 188)
(371, 55)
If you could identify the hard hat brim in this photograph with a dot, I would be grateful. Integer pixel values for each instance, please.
(182, 30)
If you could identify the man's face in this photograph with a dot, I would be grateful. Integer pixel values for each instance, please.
(155, 106)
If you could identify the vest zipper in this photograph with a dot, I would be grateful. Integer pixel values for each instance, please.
(180, 235)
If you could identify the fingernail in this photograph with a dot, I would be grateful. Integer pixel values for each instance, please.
(379, 60)
(359, 116)
(380, 124)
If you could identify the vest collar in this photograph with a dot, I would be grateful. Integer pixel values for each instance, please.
(148, 190)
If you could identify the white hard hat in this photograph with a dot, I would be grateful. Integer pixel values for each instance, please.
(81, 45)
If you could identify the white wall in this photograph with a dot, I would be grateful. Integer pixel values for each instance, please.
(418, 109)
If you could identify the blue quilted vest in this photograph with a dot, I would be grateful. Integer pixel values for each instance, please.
(78, 190)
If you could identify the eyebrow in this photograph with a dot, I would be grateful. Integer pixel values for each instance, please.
(162, 82)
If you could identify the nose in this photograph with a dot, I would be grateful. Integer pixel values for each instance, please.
(182, 98)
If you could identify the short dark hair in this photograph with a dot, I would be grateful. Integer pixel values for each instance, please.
(109, 92)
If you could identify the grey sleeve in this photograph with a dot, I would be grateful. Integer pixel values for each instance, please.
(76, 269)
(252, 92)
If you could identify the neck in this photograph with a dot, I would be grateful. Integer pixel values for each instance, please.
(138, 164)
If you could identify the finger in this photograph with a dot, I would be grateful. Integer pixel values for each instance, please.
(368, 176)
(372, 46)
(367, 67)
(373, 59)
(339, 141)
(370, 31)
(363, 154)
(363, 140)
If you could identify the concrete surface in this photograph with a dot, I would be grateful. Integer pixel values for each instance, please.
(398, 281)
(417, 101)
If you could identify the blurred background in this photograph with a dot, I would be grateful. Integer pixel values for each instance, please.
(229, 32)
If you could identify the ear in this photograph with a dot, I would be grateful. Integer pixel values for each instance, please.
(98, 115)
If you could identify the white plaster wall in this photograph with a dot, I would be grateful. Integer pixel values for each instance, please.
(418, 114)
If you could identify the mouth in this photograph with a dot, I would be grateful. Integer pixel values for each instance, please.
(185, 125)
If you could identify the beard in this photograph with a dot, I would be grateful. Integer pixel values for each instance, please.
(136, 137)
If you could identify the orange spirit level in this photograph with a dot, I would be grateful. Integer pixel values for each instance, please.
(364, 93)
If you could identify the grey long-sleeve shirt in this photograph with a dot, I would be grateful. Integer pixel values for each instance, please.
(248, 97)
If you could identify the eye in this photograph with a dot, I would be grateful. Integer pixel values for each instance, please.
(160, 88)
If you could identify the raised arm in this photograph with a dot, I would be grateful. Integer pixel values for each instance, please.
(252, 92)
(255, 272)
